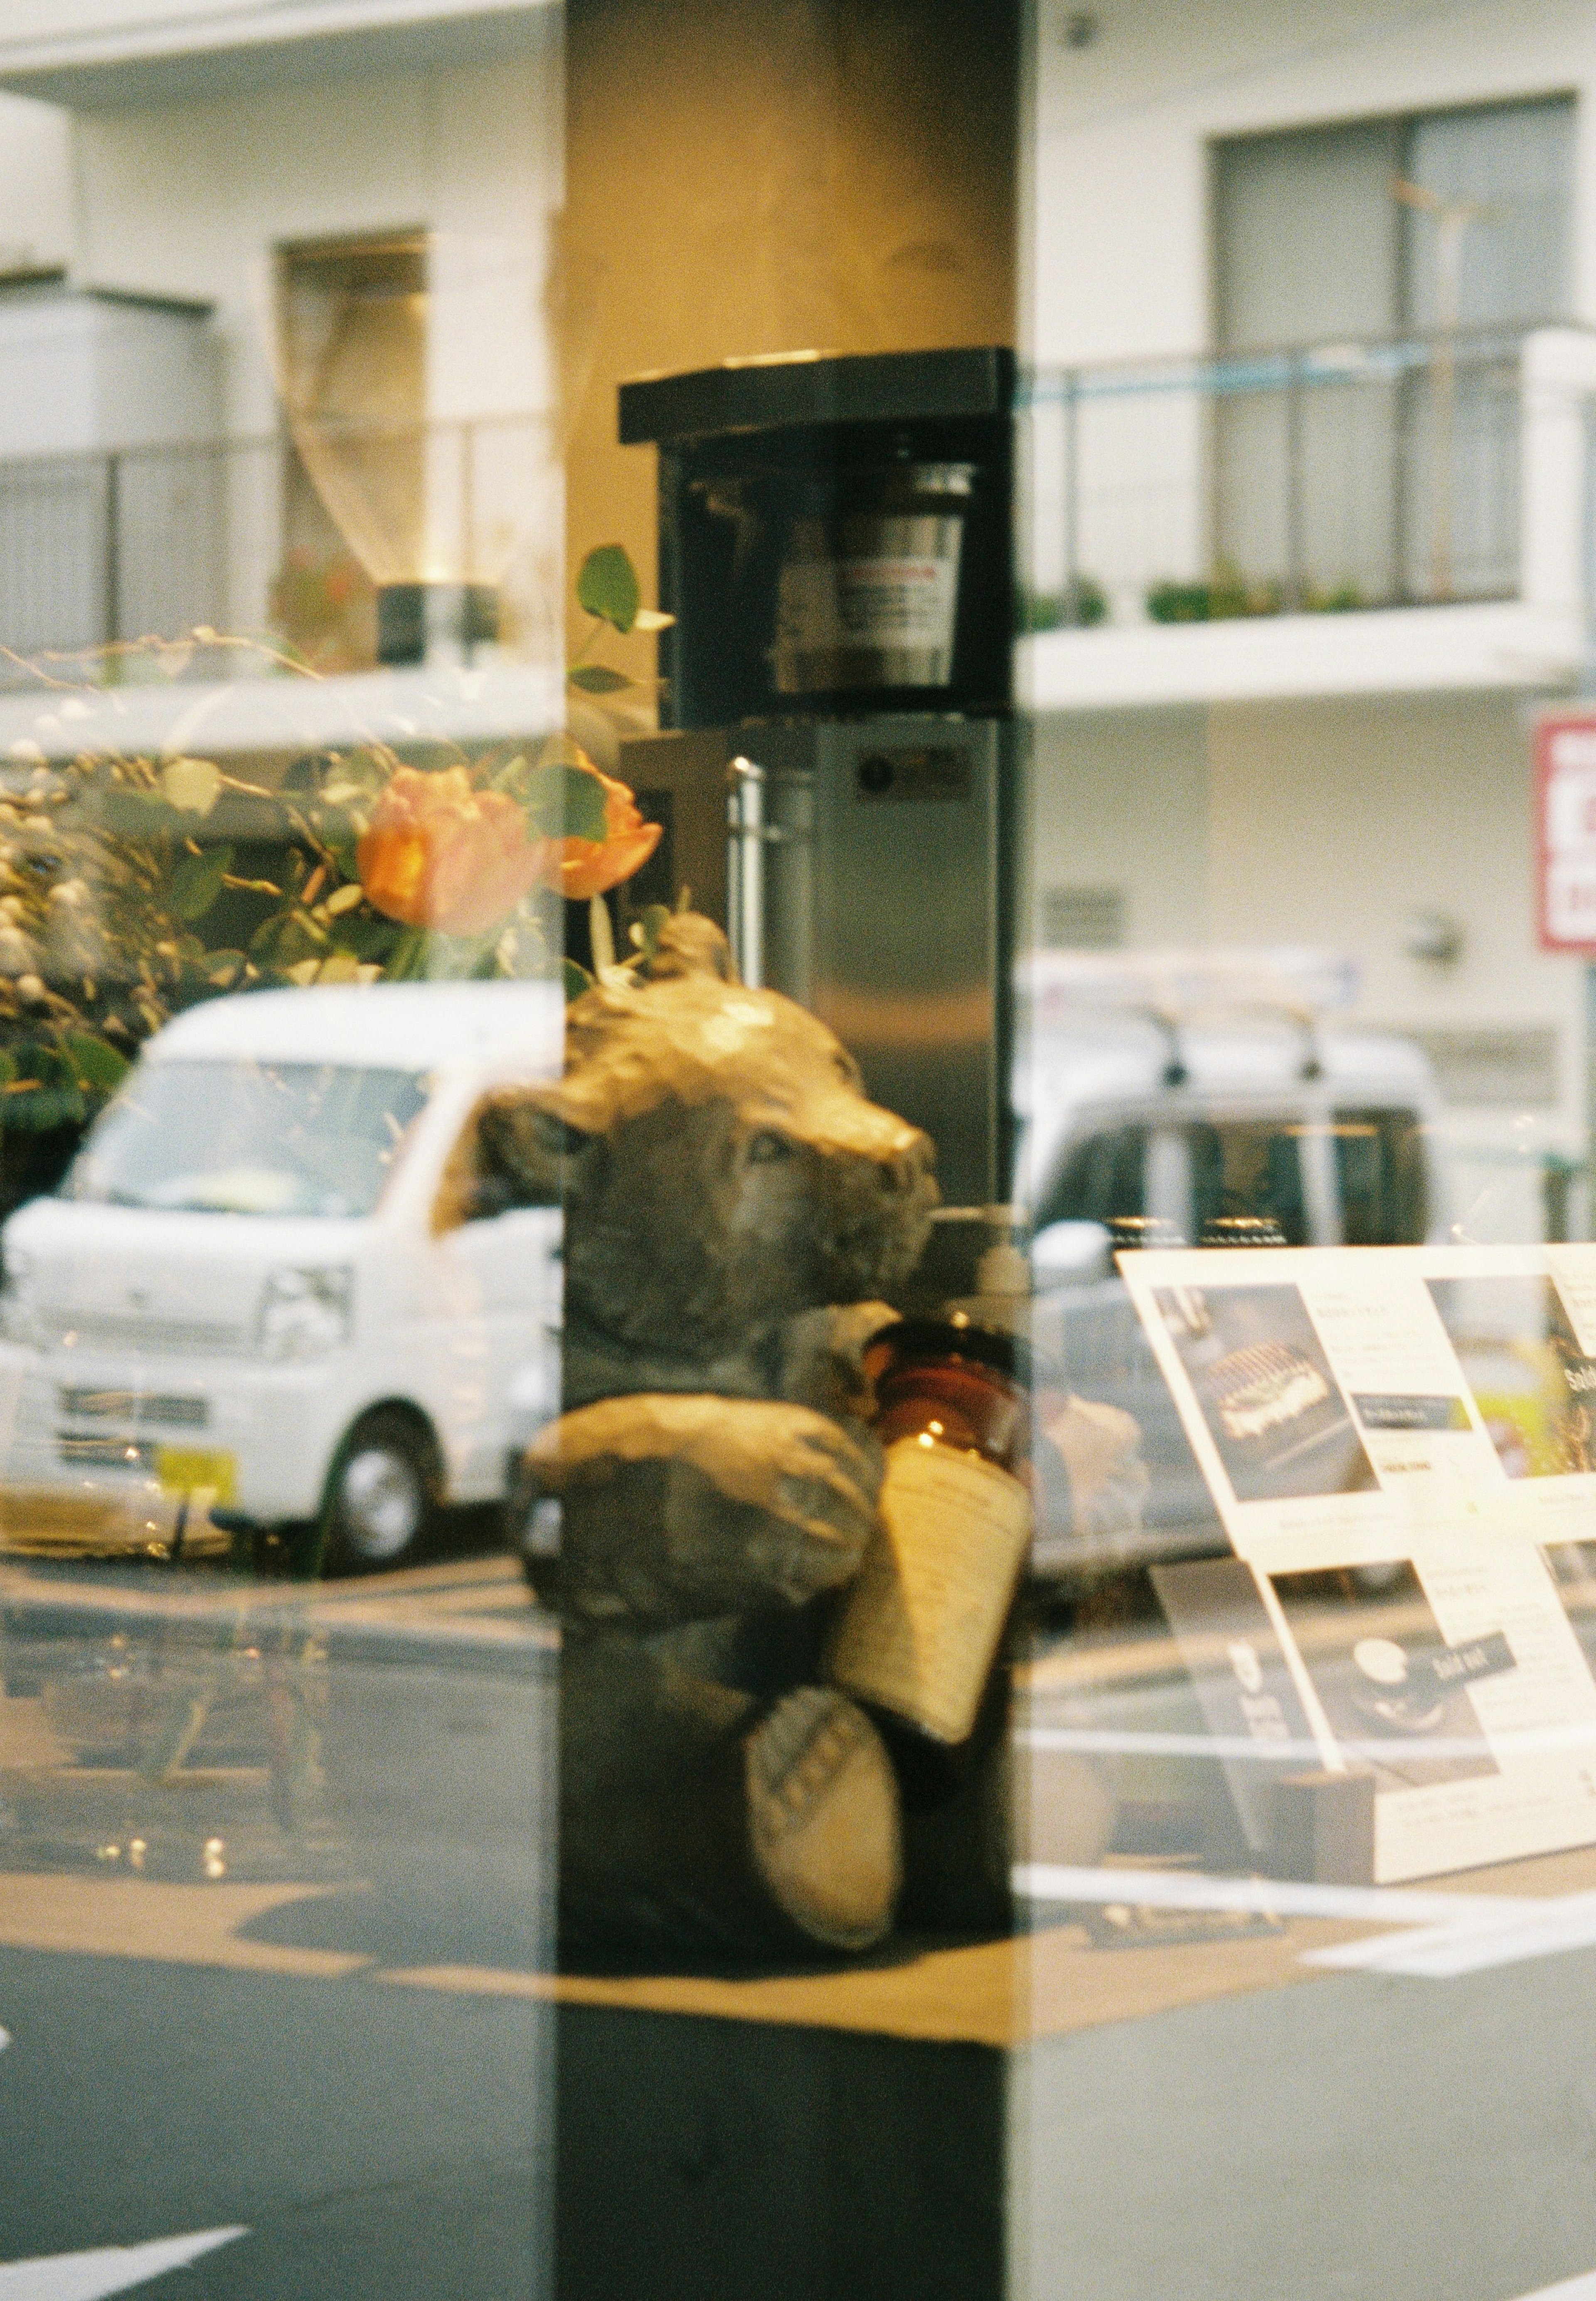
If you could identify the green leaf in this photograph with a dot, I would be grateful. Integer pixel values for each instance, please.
(372, 941)
(341, 836)
(33, 1110)
(598, 679)
(97, 1062)
(299, 938)
(577, 979)
(563, 802)
(409, 958)
(608, 586)
(653, 922)
(560, 749)
(49, 1068)
(196, 882)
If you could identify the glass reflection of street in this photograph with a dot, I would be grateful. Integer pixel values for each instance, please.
(265, 1850)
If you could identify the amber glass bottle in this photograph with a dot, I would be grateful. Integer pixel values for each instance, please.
(920, 1628)
(956, 1384)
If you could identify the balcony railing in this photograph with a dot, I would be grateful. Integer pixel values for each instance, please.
(232, 534)
(1368, 474)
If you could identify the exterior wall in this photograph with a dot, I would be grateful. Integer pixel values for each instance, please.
(35, 209)
(1327, 819)
(832, 175)
(1331, 823)
(1119, 262)
(1119, 267)
(154, 25)
(190, 200)
(79, 372)
(1121, 802)
(84, 50)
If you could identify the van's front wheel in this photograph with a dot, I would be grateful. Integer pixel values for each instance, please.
(382, 1494)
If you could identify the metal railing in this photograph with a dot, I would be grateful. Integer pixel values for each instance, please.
(233, 534)
(1355, 475)
(1374, 474)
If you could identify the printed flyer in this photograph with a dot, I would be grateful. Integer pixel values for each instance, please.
(1401, 1443)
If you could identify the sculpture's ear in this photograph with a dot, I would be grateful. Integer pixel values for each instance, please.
(689, 944)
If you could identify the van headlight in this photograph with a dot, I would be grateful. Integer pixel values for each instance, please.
(17, 1321)
(306, 1313)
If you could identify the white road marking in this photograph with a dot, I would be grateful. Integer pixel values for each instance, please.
(1538, 1928)
(1442, 1936)
(1100, 1741)
(1185, 1889)
(4, 2039)
(1575, 2289)
(111, 2269)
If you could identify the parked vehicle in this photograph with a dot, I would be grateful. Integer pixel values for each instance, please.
(1211, 1100)
(288, 1277)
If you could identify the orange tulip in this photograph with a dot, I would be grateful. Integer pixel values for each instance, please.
(438, 853)
(592, 866)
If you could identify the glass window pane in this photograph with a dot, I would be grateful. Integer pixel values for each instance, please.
(1380, 1169)
(1248, 1170)
(1101, 1179)
(247, 1138)
(1505, 172)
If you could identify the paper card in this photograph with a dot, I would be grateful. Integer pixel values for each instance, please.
(920, 1627)
(1245, 1680)
(1351, 1396)
(1401, 1445)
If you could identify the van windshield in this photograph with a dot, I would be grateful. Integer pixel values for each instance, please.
(248, 1138)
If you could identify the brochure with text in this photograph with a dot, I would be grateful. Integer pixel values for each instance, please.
(1401, 1443)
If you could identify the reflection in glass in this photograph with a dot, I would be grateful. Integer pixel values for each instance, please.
(247, 1138)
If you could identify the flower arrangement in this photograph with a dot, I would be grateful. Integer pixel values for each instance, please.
(119, 906)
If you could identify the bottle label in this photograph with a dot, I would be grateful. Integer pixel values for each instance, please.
(829, 612)
(899, 602)
(921, 1625)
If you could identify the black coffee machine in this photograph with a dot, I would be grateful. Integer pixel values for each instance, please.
(837, 547)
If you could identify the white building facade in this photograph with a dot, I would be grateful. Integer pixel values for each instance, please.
(1308, 317)
(208, 153)
(1308, 304)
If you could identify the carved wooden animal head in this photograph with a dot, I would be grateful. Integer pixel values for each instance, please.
(721, 1165)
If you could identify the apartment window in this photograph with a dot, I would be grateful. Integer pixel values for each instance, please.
(1412, 254)
(352, 368)
(1282, 203)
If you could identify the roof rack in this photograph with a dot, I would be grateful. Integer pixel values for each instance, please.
(1169, 987)
(1295, 980)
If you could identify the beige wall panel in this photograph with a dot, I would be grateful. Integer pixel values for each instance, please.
(1119, 801)
(757, 176)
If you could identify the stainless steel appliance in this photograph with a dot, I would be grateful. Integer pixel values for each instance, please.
(836, 546)
(865, 880)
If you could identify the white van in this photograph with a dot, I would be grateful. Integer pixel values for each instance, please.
(288, 1277)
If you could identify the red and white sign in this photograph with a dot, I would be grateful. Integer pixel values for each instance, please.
(1565, 832)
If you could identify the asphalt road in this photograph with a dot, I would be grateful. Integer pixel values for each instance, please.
(273, 1949)
(216, 2021)
(273, 1932)
(373, 2140)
